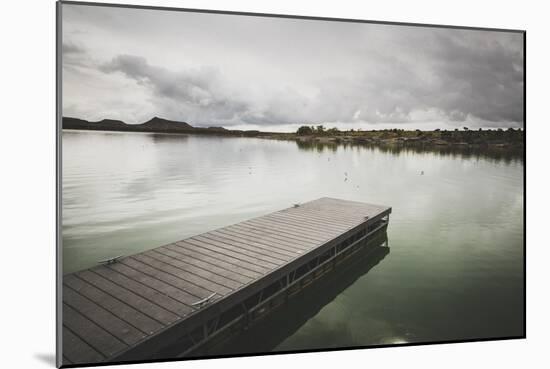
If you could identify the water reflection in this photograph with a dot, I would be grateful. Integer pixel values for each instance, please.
(453, 151)
(290, 317)
(456, 268)
(168, 137)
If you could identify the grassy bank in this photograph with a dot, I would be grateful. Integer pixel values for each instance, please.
(509, 138)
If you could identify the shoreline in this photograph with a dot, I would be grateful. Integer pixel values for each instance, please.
(510, 139)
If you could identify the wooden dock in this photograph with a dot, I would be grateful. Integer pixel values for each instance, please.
(209, 286)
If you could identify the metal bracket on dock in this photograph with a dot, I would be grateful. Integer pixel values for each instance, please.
(204, 301)
(111, 260)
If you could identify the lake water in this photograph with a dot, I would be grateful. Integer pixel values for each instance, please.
(455, 264)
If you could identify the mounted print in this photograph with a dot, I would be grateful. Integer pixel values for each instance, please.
(239, 184)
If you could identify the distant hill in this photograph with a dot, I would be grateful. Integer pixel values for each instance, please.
(159, 124)
(156, 124)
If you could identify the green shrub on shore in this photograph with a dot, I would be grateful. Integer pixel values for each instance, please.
(466, 135)
(304, 131)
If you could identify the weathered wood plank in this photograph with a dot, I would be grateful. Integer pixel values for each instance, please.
(265, 243)
(282, 231)
(347, 205)
(315, 228)
(142, 304)
(240, 247)
(316, 220)
(185, 286)
(235, 252)
(192, 255)
(76, 350)
(224, 279)
(204, 278)
(349, 208)
(290, 230)
(270, 238)
(112, 304)
(120, 309)
(342, 217)
(184, 261)
(177, 308)
(254, 244)
(157, 284)
(102, 317)
(233, 258)
(314, 235)
(262, 231)
(312, 225)
(97, 337)
(320, 234)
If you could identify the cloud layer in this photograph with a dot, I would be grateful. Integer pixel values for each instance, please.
(259, 72)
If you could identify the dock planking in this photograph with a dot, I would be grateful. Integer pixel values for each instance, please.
(130, 308)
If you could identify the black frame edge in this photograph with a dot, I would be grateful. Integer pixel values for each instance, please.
(288, 16)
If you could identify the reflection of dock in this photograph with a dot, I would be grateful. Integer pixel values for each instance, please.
(207, 288)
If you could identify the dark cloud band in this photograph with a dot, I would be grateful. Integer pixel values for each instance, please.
(329, 72)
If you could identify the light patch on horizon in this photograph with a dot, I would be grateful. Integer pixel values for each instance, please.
(277, 74)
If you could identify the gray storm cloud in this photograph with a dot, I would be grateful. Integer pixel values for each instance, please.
(198, 92)
(327, 72)
(70, 48)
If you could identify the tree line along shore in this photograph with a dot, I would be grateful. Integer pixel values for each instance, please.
(439, 137)
(494, 138)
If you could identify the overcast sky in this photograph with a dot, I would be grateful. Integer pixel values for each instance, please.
(276, 74)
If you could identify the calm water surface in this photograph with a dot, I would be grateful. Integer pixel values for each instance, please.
(455, 266)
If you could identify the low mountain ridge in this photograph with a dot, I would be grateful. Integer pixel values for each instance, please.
(155, 124)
